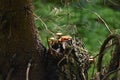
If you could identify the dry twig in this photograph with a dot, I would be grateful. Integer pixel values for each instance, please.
(28, 70)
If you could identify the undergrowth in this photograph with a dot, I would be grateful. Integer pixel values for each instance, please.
(61, 18)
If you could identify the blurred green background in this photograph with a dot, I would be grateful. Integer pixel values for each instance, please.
(82, 18)
(87, 19)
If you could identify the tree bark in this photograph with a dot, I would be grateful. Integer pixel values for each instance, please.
(19, 43)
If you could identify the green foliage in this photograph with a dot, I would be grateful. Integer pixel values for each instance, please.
(78, 18)
(64, 18)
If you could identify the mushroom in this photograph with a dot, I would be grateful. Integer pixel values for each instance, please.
(65, 38)
(91, 59)
(59, 35)
(52, 40)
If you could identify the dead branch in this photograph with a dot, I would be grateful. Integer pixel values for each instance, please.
(113, 66)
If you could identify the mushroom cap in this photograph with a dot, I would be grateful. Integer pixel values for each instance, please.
(59, 34)
(52, 38)
(65, 38)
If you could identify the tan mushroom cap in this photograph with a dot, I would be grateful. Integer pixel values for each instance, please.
(52, 38)
(64, 38)
(59, 34)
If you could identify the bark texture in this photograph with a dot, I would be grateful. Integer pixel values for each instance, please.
(19, 43)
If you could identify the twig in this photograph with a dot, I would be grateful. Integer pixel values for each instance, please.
(103, 47)
(100, 19)
(113, 3)
(103, 21)
(84, 75)
(98, 76)
(61, 60)
(43, 24)
(93, 70)
(104, 50)
(100, 42)
(52, 49)
(65, 56)
(38, 17)
(104, 78)
(96, 56)
(49, 47)
(28, 70)
(9, 74)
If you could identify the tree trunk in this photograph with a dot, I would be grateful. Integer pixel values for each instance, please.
(19, 43)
